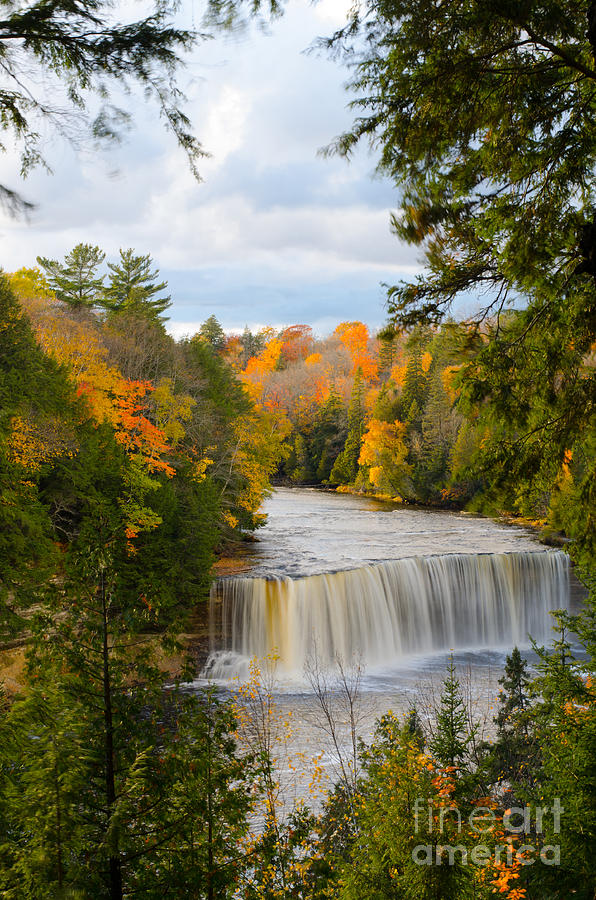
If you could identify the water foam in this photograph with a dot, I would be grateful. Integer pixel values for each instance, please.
(387, 612)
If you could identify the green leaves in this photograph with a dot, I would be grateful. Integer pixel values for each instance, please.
(483, 114)
(75, 281)
(133, 287)
(80, 49)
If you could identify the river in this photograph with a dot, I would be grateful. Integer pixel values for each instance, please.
(390, 592)
(338, 575)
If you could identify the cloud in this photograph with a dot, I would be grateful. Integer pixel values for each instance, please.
(275, 233)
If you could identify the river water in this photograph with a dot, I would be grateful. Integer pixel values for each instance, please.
(390, 592)
(336, 575)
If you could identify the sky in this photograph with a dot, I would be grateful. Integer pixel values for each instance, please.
(275, 234)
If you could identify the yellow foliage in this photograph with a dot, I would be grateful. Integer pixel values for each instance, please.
(259, 438)
(199, 472)
(384, 452)
(370, 398)
(230, 520)
(313, 360)
(425, 361)
(171, 410)
(30, 284)
(33, 441)
(448, 382)
(398, 374)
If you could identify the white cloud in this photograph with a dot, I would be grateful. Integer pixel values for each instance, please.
(272, 222)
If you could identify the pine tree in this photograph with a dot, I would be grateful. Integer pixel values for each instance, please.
(133, 287)
(75, 281)
(213, 333)
(413, 397)
(515, 756)
(302, 471)
(328, 434)
(345, 468)
(451, 738)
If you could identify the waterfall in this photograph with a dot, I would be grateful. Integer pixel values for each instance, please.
(388, 611)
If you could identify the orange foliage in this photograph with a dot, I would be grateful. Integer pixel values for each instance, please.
(110, 397)
(354, 336)
(565, 470)
(322, 389)
(313, 359)
(425, 361)
(259, 366)
(135, 432)
(297, 341)
(398, 374)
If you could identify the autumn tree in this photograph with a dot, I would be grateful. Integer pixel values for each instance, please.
(297, 342)
(355, 337)
(383, 457)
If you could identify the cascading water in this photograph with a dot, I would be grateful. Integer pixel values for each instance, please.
(388, 611)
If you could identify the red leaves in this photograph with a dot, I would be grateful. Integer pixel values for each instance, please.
(134, 430)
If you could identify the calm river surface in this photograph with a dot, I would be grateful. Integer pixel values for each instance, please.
(310, 532)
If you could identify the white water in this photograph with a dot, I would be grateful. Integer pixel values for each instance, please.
(391, 611)
(402, 587)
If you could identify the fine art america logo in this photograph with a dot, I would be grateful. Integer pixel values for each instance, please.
(516, 821)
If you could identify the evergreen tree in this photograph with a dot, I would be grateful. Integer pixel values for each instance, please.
(302, 471)
(413, 396)
(78, 53)
(213, 333)
(345, 467)
(75, 281)
(563, 715)
(515, 756)
(328, 435)
(33, 391)
(451, 738)
(95, 728)
(386, 353)
(133, 287)
(388, 404)
(439, 425)
(252, 344)
(391, 827)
